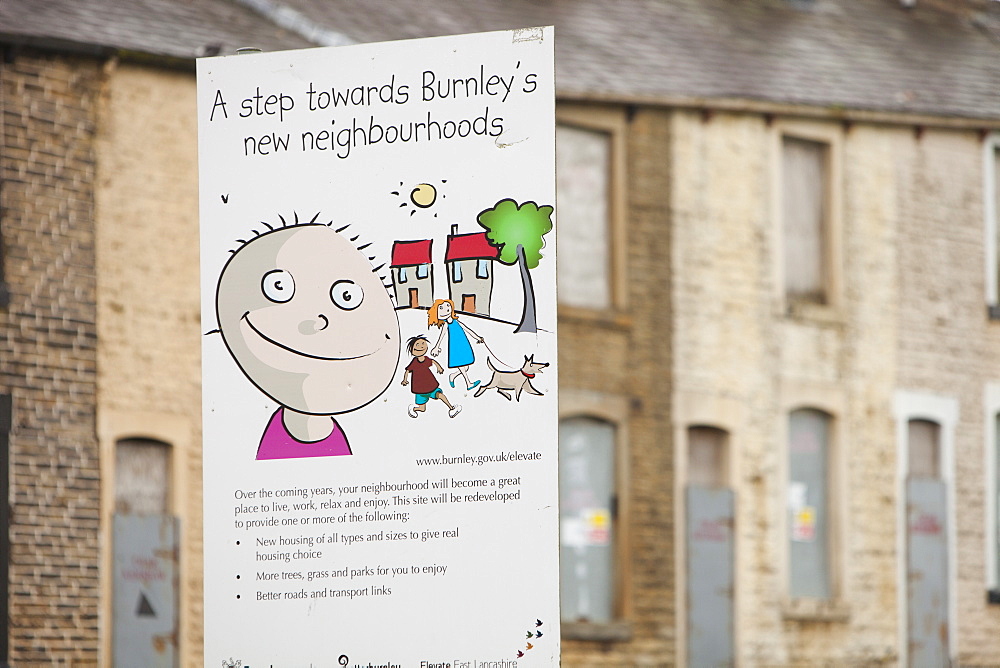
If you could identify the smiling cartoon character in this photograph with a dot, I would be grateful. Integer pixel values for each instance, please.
(309, 323)
(460, 356)
(421, 371)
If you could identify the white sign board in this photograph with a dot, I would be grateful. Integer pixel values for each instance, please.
(379, 378)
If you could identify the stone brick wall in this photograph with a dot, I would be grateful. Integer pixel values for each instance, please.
(625, 353)
(947, 344)
(735, 340)
(912, 317)
(149, 299)
(48, 355)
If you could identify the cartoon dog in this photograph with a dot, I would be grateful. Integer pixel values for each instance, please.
(506, 382)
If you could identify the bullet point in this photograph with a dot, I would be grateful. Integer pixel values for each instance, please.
(237, 577)
(237, 596)
(237, 542)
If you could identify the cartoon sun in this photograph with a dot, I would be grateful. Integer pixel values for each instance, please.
(420, 196)
(424, 195)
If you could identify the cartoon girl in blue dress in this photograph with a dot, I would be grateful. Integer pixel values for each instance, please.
(460, 356)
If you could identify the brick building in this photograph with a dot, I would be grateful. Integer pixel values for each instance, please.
(99, 362)
(779, 301)
(49, 368)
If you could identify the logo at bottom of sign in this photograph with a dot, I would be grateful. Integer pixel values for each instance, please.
(342, 660)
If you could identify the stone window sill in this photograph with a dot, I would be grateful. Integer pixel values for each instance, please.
(619, 631)
(816, 610)
(610, 318)
(807, 311)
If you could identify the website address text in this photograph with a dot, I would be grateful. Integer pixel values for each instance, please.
(479, 460)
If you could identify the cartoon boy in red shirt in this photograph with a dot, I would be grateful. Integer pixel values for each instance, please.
(425, 386)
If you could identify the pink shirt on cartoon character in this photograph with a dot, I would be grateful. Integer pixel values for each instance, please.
(277, 443)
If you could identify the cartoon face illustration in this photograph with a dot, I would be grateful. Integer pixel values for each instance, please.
(419, 347)
(444, 310)
(308, 321)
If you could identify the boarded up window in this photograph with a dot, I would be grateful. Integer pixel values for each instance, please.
(709, 548)
(996, 498)
(707, 457)
(924, 449)
(808, 504)
(145, 548)
(583, 169)
(142, 477)
(995, 163)
(928, 631)
(587, 518)
(805, 184)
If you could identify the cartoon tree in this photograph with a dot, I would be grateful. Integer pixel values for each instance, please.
(517, 230)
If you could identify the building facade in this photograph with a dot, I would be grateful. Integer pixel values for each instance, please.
(149, 394)
(779, 305)
(99, 361)
(901, 339)
(49, 359)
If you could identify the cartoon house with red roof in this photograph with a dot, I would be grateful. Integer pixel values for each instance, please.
(412, 273)
(469, 260)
